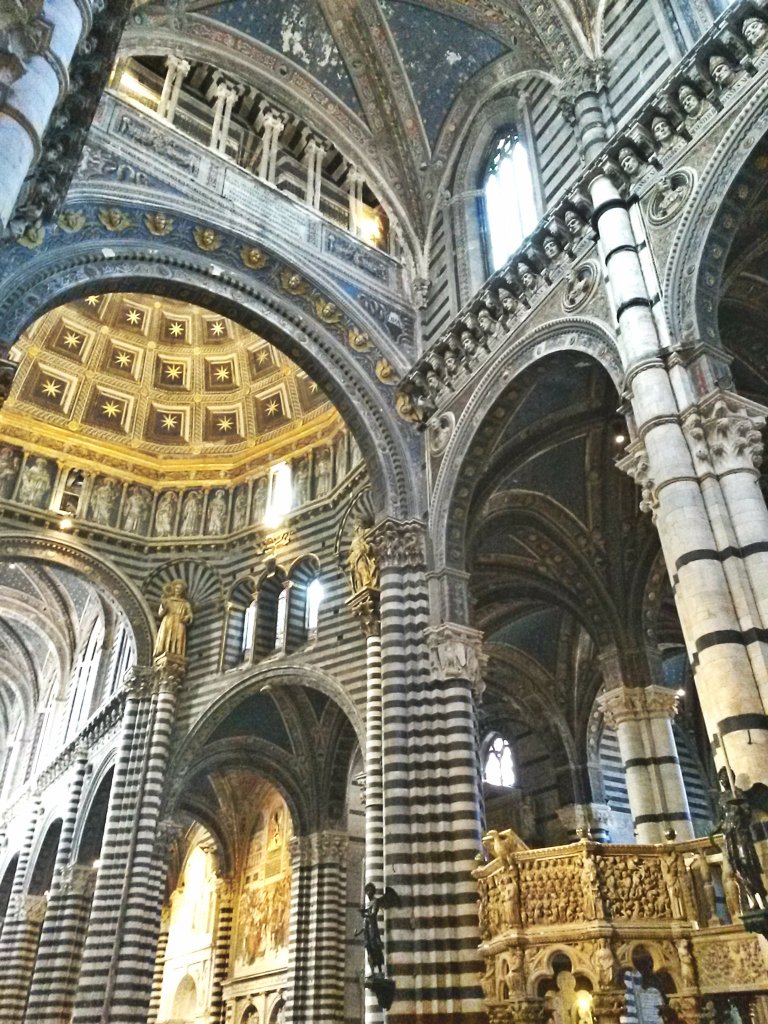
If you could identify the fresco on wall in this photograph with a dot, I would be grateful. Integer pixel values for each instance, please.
(265, 899)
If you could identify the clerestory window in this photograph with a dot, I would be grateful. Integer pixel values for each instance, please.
(510, 206)
(499, 768)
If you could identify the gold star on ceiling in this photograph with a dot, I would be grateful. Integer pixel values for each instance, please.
(111, 409)
(169, 422)
(133, 316)
(176, 328)
(51, 388)
(272, 407)
(224, 423)
(173, 371)
(92, 300)
(217, 328)
(313, 386)
(262, 356)
(222, 373)
(72, 340)
(123, 359)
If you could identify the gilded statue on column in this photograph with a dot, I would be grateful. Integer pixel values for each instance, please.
(175, 615)
(361, 562)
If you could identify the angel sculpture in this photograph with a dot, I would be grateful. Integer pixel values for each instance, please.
(374, 902)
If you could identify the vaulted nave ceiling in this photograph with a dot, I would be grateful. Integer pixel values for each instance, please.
(411, 72)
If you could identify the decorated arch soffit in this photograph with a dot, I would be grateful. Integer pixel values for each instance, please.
(96, 248)
(699, 251)
(462, 457)
(381, 72)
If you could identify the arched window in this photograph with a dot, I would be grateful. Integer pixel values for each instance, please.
(304, 596)
(499, 768)
(510, 207)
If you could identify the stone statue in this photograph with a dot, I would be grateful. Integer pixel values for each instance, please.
(240, 513)
(374, 947)
(175, 615)
(301, 484)
(217, 513)
(135, 510)
(103, 502)
(9, 467)
(35, 483)
(323, 475)
(165, 514)
(190, 514)
(361, 562)
(260, 500)
(736, 822)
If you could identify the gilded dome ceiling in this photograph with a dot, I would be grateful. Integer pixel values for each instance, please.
(177, 386)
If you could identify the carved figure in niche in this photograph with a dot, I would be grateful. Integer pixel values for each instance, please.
(509, 303)
(574, 223)
(440, 433)
(591, 888)
(240, 513)
(669, 197)
(103, 502)
(469, 347)
(687, 969)
(528, 279)
(9, 467)
(662, 131)
(207, 239)
(361, 562)
(721, 71)
(135, 510)
(275, 837)
(323, 475)
(605, 963)
(190, 514)
(629, 162)
(260, 499)
(301, 484)
(755, 31)
(165, 516)
(690, 100)
(672, 878)
(35, 483)
(552, 249)
(217, 513)
(175, 614)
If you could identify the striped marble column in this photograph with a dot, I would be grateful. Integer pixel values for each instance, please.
(365, 604)
(157, 976)
(23, 921)
(315, 984)
(50, 977)
(727, 651)
(642, 718)
(115, 860)
(129, 985)
(221, 950)
(431, 800)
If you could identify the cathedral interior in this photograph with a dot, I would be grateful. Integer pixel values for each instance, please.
(383, 542)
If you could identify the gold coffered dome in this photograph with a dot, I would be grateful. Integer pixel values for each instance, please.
(161, 388)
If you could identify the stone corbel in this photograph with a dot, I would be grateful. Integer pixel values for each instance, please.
(635, 464)
(364, 605)
(168, 672)
(456, 652)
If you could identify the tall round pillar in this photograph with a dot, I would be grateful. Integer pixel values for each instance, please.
(21, 929)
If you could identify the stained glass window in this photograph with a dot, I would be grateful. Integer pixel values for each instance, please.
(510, 207)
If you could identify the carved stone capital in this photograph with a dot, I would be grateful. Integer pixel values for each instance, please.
(34, 908)
(456, 652)
(78, 879)
(319, 848)
(168, 672)
(724, 432)
(137, 681)
(635, 704)
(364, 605)
(399, 545)
(635, 464)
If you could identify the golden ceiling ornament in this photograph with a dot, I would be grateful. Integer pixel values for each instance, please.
(359, 341)
(253, 257)
(33, 237)
(114, 219)
(158, 224)
(386, 372)
(328, 311)
(207, 239)
(293, 283)
(71, 220)
(405, 408)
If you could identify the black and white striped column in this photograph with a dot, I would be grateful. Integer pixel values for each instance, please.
(51, 981)
(157, 977)
(317, 939)
(365, 604)
(21, 930)
(642, 718)
(431, 799)
(727, 652)
(221, 950)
